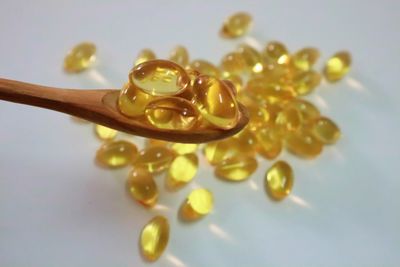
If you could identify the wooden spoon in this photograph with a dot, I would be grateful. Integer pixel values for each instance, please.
(100, 106)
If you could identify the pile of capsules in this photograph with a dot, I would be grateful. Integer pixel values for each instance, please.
(182, 94)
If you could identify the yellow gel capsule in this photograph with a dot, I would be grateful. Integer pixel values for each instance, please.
(182, 149)
(132, 101)
(236, 25)
(272, 93)
(337, 66)
(155, 159)
(105, 133)
(279, 180)
(116, 154)
(179, 55)
(277, 52)
(141, 186)
(233, 63)
(144, 55)
(258, 116)
(289, 119)
(305, 58)
(244, 142)
(237, 168)
(252, 58)
(156, 142)
(268, 145)
(171, 113)
(231, 87)
(305, 82)
(302, 143)
(81, 57)
(183, 168)
(154, 238)
(199, 202)
(236, 80)
(217, 151)
(325, 130)
(159, 77)
(307, 110)
(205, 67)
(215, 102)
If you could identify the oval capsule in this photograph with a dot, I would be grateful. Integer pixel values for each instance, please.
(325, 130)
(105, 133)
(116, 154)
(154, 238)
(307, 110)
(199, 203)
(182, 149)
(337, 66)
(183, 169)
(205, 67)
(302, 143)
(132, 101)
(81, 57)
(305, 82)
(276, 52)
(155, 159)
(251, 57)
(268, 145)
(279, 180)
(159, 77)
(144, 55)
(236, 25)
(236, 168)
(217, 151)
(142, 187)
(179, 55)
(233, 63)
(305, 58)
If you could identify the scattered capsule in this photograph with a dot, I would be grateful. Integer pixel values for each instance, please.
(215, 102)
(159, 77)
(217, 151)
(80, 58)
(182, 149)
(279, 180)
(302, 143)
(244, 142)
(144, 55)
(236, 168)
(268, 145)
(171, 113)
(231, 87)
(325, 130)
(305, 58)
(142, 187)
(272, 93)
(198, 203)
(183, 168)
(233, 63)
(236, 25)
(289, 119)
(155, 159)
(251, 57)
(132, 101)
(116, 154)
(305, 82)
(154, 238)
(236, 80)
(276, 52)
(258, 116)
(179, 55)
(105, 133)
(337, 66)
(307, 110)
(205, 67)
(156, 142)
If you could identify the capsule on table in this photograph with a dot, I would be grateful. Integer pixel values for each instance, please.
(182, 149)
(305, 58)
(81, 57)
(244, 141)
(325, 130)
(155, 159)
(236, 25)
(144, 55)
(199, 203)
(233, 63)
(142, 187)
(258, 116)
(183, 169)
(116, 154)
(230, 86)
(236, 168)
(307, 110)
(337, 66)
(279, 180)
(268, 145)
(236, 80)
(205, 67)
(217, 151)
(159, 77)
(252, 58)
(179, 55)
(302, 143)
(305, 82)
(289, 119)
(276, 52)
(156, 142)
(154, 238)
(132, 101)
(272, 93)
(105, 133)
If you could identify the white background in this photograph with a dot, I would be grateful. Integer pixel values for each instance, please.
(58, 209)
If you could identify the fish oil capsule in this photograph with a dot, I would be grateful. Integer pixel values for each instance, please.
(302, 143)
(116, 154)
(205, 67)
(305, 58)
(307, 110)
(268, 145)
(81, 57)
(305, 82)
(258, 116)
(236, 168)
(182, 149)
(217, 151)
(179, 55)
(199, 202)
(159, 77)
(105, 133)
(251, 57)
(337, 66)
(154, 238)
(276, 52)
(236, 25)
(132, 101)
(289, 119)
(231, 87)
(156, 142)
(141, 187)
(273, 93)
(233, 63)
(279, 180)
(144, 55)
(171, 113)
(325, 130)
(236, 80)
(244, 141)
(215, 102)
(183, 168)
(155, 159)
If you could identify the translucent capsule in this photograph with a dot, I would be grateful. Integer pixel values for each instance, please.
(116, 154)
(105, 133)
(305, 58)
(289, 119)
(272, 93)
(279, 180)
(305, 82)
(81, 57)
(198, 203)
(233, 63)
(132, 101)
(156, 142)
(144, 55)
(217, 151)
(231, 87)
(276, 52)
(141, 186)
(171, 113)
(155, 159)
(182, 149)
(244, 142)
(236, 80)
(302, 143)
(215, 102)
(205, 67)
(179, 55)
(307, 110)
(183, 168)
(268, 145)
(236, 168)
(159, 77)
(325, 130)
(251, 57)
(154, 238)
(259, 116)
(236, 25)
(337, 66)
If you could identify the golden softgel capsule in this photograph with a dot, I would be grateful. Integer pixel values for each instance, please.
(305, 58)
(236, 168)
(182, 149)
(307, 110)
(276, 52)
(115, 154)
(233, 63)
(81, 57)
(302, 143)
(154, 238)
(132, 101)
(105, 133)
(204, 67)
(251, 57)
(325, 130)
(171, 113)
(305, 82)
(155, 159)
(159, 77)
(236, 25)
(179, 55)
(141, 186)
(337, 66)
(279, 180)
(144, 55)
(182, 170)
(198, 203)
(268, 145)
